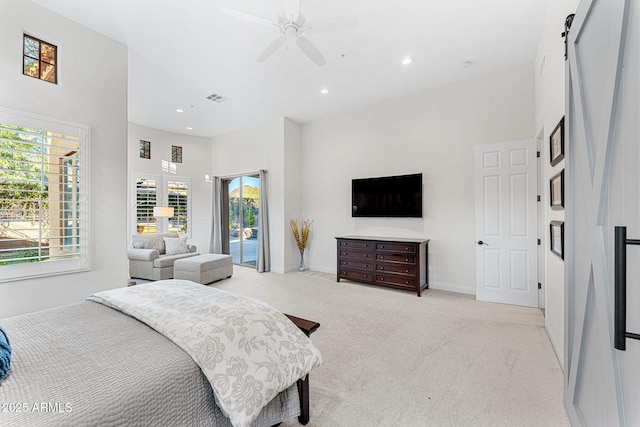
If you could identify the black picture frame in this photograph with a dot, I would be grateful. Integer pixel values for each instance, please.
(556, 238)
(556, 191)
(176, 154)
(556, 143)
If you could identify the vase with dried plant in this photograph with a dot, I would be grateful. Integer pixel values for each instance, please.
(302, 236)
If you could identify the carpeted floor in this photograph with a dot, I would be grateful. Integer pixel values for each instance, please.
(393, 359)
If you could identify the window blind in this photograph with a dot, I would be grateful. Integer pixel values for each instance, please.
(43, 203)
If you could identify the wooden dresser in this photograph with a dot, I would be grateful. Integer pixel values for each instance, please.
(396, 263)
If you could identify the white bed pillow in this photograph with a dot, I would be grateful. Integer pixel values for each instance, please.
(176, 245)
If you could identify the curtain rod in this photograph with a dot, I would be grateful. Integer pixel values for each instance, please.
(240, 174)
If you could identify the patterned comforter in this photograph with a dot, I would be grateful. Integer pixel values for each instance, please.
(248, 351)
(85, 364)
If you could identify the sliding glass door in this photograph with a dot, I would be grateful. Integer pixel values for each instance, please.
(243, 213)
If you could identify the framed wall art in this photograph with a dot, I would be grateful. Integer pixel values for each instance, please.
(556, 143)
(556, 185)
(556, 229)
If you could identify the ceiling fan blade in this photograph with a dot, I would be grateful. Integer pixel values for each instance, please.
(310, 50)
(291, 10)
(271, 49)
(248, 17)
(327, 25)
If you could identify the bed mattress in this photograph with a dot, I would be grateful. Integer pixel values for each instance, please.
(87, 364)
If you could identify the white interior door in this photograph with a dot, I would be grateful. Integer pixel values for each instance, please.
(602, 116)
(506, 223)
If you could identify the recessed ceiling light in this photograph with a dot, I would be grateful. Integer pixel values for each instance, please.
(407, 61)
(179, 110)
(324, 91)
(189, 128)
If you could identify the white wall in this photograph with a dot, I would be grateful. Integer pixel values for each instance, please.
(433, 133)
(248, 151)
(293, 190)
(549, 109)
(196, 162)
(92, 90)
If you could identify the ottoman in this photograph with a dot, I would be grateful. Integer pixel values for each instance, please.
(206, 268)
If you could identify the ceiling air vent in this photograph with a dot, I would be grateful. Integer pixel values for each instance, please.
(216, 98)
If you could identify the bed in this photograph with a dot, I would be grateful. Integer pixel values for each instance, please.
(97, 362)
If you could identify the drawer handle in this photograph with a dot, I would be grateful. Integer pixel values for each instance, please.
(407, 260)
(406, 249)
(381, 246)
(366, 256)
(382, 278)
(366, 265)
(366, 246)
(365, 276)
(406, 282)
(381, 268)
(382, 257)
(406, 271)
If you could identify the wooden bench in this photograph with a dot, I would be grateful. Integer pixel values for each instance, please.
(308, 327)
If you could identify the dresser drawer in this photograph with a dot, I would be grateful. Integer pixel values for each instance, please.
(355, 255)
(396, 247)
(400, 264)
(399, 281)
(408, 259)
(360, 276)
(396, 268)
(357, 265)
(356, 244)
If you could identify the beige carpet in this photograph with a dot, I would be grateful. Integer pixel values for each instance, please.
(393, 359)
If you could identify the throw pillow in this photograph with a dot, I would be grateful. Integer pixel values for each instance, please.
(148, 241)
(5, 354)
(176, 245)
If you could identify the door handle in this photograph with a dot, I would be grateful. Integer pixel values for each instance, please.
(480, 243)
(620, 333)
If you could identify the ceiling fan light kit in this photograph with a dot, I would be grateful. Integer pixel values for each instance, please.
(292, 25)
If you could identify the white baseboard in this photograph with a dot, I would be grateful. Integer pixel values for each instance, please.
(452, 288)
(330, 270)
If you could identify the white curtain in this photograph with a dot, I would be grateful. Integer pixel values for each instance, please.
(215, 247)
(264, 253)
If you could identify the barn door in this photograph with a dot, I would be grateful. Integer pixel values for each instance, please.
(602, 116)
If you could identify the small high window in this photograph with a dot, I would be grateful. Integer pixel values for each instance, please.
(40, 59)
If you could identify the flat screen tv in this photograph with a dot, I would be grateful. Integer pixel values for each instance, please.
(388, 196)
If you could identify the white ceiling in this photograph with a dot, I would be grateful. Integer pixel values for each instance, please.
(180, 52)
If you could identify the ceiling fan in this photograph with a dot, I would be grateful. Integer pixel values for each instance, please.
(292, 24)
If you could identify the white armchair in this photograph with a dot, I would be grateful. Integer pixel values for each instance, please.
(151, 256)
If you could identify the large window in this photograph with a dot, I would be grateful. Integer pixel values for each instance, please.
(153, 190)
(177, 190)
(146, 199)
(43, 197)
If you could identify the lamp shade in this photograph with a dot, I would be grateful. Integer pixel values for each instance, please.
(162, 212)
